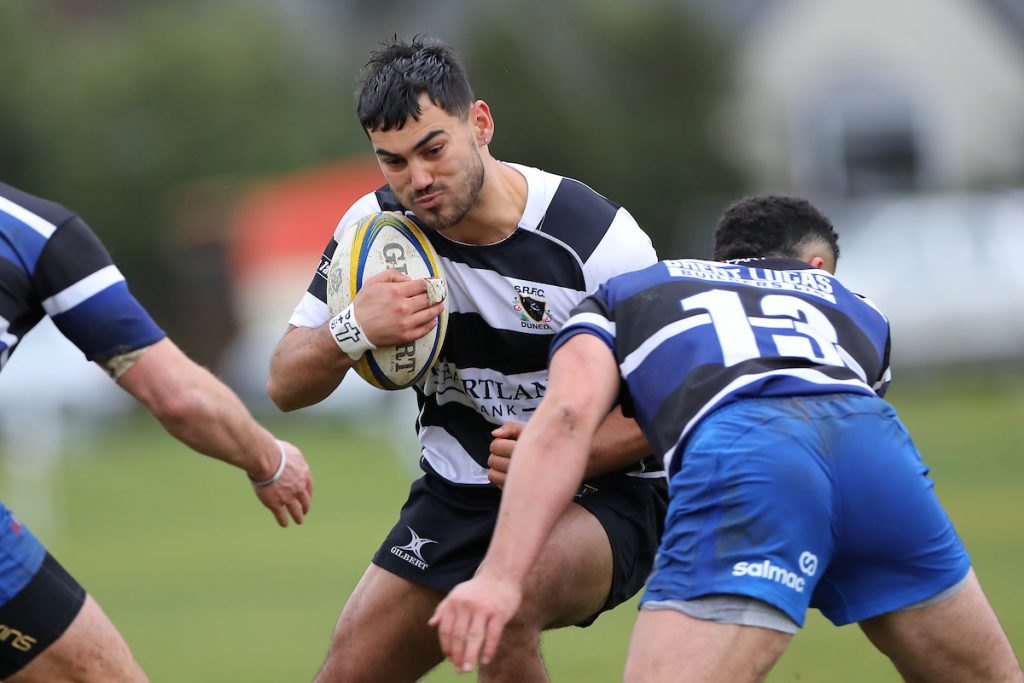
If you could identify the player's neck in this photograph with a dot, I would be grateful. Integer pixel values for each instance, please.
(498, 208)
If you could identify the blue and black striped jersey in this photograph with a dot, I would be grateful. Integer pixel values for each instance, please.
(506, 302)
(691, 336)
(52, 264)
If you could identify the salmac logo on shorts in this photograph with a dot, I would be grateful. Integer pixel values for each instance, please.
(16, 639)
(808, 562)
(771, 572)
(413, 551)
(532, 307)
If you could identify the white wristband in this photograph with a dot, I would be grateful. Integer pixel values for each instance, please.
(277, 475)
(348, 335)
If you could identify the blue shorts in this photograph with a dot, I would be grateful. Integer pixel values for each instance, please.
(21, 555)
(819, 501)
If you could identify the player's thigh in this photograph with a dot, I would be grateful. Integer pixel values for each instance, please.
(958, 639)
(89, 651)
(669, 646)
(50, 629)
(573, 573)
(382, 633)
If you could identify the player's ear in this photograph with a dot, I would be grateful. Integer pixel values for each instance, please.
(826, 263)
(817, 255)
(481, 122)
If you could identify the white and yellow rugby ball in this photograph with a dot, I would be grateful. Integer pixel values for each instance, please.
(379, 241)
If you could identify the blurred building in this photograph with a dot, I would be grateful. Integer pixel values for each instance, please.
(875, 96)
(904, 120)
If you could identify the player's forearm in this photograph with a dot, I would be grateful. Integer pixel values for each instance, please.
(210, 419)
(544, 474)
(618, 443)
(305, 368)
(551, 454)
(199, 410)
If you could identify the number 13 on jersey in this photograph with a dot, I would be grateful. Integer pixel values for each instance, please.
(791, 326)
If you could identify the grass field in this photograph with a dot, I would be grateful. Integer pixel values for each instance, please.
(207, 589)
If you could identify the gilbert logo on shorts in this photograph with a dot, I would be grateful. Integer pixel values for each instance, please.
(772, 572)
(412, 552)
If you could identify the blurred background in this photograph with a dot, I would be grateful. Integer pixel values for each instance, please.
(213, 147)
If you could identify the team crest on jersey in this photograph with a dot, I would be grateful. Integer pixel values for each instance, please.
(532, 307)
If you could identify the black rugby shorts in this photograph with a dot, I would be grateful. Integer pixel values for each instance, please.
(39, 614)
(444, 529)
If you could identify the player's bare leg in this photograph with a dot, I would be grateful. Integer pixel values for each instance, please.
(669, 646)
(89, 651)
(957, 640)
(382, 634)
(570, 582)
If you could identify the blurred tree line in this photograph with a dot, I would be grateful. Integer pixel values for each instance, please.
(106, 107)
(623, 96)
(113, 107)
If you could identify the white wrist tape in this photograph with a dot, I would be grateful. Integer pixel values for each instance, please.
(349, 335)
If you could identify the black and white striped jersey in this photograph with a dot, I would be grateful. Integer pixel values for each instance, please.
(692, 336)
(506, 301)
(52, 264)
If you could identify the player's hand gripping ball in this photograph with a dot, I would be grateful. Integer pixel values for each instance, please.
(380, 241)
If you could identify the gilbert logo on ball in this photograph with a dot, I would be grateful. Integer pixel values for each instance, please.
(373, 244)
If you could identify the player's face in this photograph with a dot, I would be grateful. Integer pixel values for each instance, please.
(433, 164)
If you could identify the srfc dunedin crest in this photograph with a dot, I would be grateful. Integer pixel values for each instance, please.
(532, 308)
(535, 308)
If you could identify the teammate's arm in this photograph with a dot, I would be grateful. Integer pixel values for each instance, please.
(550, 458)
(308, 364)
(199, 410)
(617, 443)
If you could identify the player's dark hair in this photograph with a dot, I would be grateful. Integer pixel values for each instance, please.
(771, 225)
(399, 72)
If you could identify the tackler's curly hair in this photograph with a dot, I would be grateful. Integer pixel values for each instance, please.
(771, 225)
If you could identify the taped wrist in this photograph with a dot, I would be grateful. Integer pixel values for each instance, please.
(348, 334)
(118, 365)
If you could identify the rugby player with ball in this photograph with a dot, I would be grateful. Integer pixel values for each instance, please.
(518, 248)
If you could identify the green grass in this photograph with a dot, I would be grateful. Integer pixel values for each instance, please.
(206, 588)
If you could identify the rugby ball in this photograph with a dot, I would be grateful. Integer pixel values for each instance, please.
(374, 243)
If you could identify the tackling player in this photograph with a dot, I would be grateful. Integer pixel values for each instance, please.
(51, 263)
(793, 484)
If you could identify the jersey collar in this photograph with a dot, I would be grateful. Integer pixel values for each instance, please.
(772, 262)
